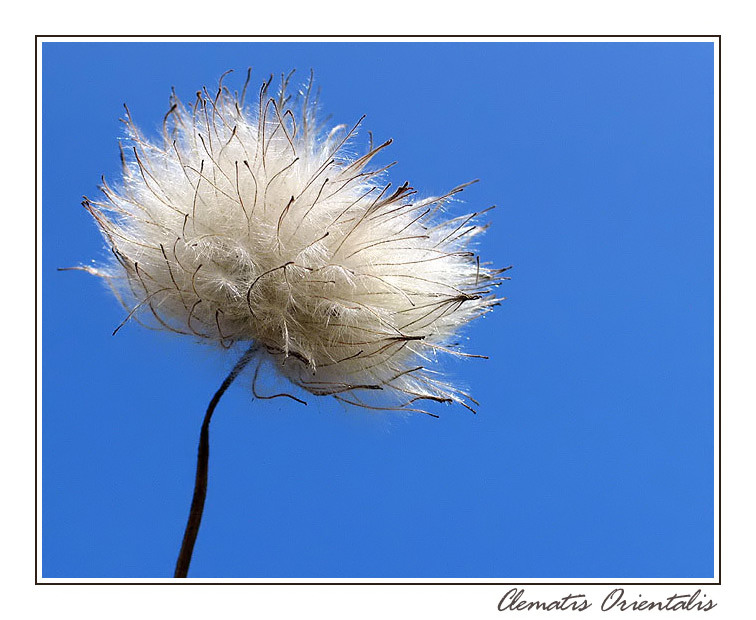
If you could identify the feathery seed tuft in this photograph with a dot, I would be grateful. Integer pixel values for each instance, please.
(250, 223)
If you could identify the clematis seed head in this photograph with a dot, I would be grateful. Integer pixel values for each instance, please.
(247, 222)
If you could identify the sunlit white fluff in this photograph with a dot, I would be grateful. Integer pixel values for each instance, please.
(249, 223)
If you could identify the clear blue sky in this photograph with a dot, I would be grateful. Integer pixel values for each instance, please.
(592, 452)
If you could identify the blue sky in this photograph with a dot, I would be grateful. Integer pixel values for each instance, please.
(592, 453)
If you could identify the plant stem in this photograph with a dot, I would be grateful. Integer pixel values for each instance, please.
(200, 481)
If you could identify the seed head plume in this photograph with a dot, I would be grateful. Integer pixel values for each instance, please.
(249, 223)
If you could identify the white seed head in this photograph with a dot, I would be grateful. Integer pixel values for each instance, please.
(251, 224)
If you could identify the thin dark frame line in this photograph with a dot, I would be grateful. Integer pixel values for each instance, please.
(376, 36)
(719, 206)
(36, 306)
(385, 583)
(718, 533)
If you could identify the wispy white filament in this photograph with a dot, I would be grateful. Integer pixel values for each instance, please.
(249, 223)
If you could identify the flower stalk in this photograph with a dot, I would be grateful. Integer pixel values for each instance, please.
(200, 480)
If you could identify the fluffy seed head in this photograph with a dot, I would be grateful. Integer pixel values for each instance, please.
(250, 223)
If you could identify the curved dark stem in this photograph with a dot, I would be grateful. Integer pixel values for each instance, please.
(200, 482)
